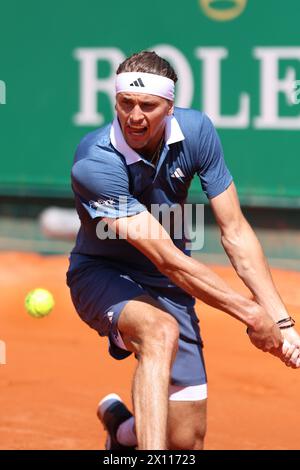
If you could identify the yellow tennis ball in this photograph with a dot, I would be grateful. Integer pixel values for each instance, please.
(39, 302)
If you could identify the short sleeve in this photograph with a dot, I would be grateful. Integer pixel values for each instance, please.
(102, 185)
(213, 172)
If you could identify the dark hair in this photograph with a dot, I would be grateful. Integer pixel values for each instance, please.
(148, 62)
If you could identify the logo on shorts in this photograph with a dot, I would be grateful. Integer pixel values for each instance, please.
(110, 316)
(225, 10)
(101, 202)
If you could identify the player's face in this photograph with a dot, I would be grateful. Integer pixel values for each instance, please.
(142, 119)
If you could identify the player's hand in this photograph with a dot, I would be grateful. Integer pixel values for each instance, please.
(291, 347)
(266, 335)
(282, 343)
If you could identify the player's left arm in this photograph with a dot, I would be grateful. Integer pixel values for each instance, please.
(248, 260)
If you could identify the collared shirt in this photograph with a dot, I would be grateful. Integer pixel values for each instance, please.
(110, 179)
(173, 134)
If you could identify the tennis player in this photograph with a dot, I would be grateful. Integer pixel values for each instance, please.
(132, 279)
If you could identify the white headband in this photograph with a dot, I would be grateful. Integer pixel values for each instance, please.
(148, 83)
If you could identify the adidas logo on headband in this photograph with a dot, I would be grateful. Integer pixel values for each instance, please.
(138, 82)
(146, 83)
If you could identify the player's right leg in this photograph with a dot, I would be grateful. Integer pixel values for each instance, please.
(188, 392)
(152, 335)
(111, 302)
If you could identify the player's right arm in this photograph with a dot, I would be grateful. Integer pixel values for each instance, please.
(146, 234)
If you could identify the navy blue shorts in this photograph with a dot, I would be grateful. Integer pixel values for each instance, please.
(99, 293)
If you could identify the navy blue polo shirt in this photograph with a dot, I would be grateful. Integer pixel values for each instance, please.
(110, 179)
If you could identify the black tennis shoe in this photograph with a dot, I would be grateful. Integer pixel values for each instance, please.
(112, 412)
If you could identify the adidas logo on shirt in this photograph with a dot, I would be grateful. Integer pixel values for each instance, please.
(138, 82)
(178, 173)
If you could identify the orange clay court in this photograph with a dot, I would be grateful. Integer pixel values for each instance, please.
(58, 368)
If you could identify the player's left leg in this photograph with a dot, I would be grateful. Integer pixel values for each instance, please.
(187, 399)
(186, 421)
(186, 424)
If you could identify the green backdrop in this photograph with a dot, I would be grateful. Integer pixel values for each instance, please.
(48, 56)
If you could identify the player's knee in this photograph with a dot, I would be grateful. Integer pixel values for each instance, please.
(162, 337)
(191, 438)
(199, 437)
